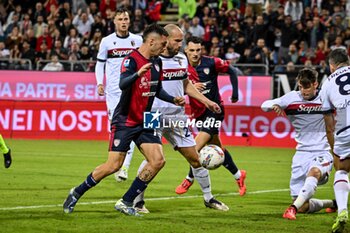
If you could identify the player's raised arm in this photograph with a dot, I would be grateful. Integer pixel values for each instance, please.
(234, 82)
(129, 72)
(273, 105)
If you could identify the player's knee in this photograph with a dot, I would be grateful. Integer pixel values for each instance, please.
(315, 172)
(158, 164)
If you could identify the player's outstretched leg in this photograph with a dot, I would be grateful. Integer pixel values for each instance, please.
(240, 175)
(341, 191)
(6, 152)
(77, 192)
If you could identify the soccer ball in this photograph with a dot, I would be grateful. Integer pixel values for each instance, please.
(211, 157)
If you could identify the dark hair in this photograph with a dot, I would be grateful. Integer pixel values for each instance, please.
(154, 28)
(194, 39)
(121, 10)
(307, 77)
(338, 56)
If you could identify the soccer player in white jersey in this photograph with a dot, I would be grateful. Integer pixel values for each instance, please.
(176, 82)
(312, 161)
(113, 49)
(335, 95)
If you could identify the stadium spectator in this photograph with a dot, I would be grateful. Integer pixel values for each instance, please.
(14, 38)
(54, 65)
(256, 6)
(232, 56)
(25, 24)
(65, 26)
(294, 8)
(107, 4)
(44, 38)
(196, 29)
(73, 37)
(186, 7)
(79, 5)
(4, 53)
(39, 26)
(65, 11)
(27, 53)
(83, 21)
(39, 11)
(335, 96)
(59, 51)
(138, 22)
(153, 11)
(6, 152)
(30, 37)
(312, 161)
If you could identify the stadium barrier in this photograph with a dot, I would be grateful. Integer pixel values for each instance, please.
(65, 105)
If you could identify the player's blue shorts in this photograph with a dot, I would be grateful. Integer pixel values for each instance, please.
(121, 137)
(206, 116)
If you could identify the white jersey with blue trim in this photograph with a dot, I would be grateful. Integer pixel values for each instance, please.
(335, 94)
(174, 73)
(112, 51)
(306, 117)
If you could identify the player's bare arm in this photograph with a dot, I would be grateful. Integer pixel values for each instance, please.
(279, 111)
(193, 92)
(329, 122)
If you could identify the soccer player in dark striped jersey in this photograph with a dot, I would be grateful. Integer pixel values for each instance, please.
(113, 49)
(140, 82)
(312, 161)
(203, 72)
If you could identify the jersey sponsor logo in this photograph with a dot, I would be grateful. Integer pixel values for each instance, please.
(309, 108)
(118, 53)
(206, 71)
(176, 74)
(148, 94)
(145, 84)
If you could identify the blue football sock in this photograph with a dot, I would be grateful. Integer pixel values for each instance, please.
(137, 187)
(86, 185)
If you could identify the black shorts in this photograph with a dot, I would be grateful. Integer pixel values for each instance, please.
(209, 115)
(121, 137)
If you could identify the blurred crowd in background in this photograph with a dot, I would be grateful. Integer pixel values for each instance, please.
(276, 33)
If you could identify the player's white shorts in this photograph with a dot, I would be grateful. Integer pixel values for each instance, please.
(178, 136)
(342, 145)
(302, 163)
(112, 100)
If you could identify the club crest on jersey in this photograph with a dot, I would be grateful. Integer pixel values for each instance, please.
(156, 66)
(126, 62)
(179, 61)
(206, 71)
(132, 43)
(116, 142)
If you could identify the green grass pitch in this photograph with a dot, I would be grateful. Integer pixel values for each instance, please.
(33, 189)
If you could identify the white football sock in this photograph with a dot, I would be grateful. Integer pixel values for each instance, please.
(202, 176)
(341, 189)
(128, 156)
(316, 205)
(237, 175)
(306, 192)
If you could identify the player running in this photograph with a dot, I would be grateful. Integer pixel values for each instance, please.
(204, 73)
(140, 82)
(176, 83)
(335, 95)
(312, 161)
(113, 49)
